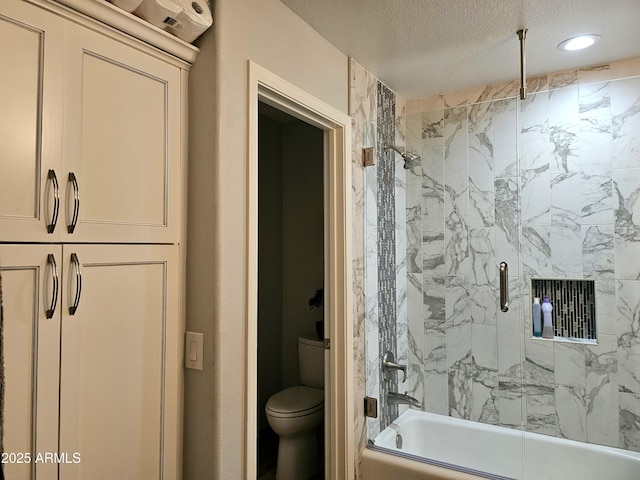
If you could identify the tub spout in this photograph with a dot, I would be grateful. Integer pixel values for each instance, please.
(395, 398)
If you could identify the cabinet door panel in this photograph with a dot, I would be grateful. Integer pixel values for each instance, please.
(119, 392)
(31, 359)
(123, 139)
(30, 124)
(124, 123)
(20, 47)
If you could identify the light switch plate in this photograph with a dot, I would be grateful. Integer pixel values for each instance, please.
(193, 350)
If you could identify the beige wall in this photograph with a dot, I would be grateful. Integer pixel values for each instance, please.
(270, 252)
(302, 239)
(290, 249)
(267, 33)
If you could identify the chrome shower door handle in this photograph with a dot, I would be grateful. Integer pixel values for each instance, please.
(51, 261)
(76, 203)
(504, 286)
(76, 299)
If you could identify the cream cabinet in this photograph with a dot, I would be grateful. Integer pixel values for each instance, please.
(93, 349)
(92, 202)
(31, 93)
(90, 142)
(31, 357)
(120, 369)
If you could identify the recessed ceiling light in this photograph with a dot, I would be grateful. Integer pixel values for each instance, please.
(580, 42)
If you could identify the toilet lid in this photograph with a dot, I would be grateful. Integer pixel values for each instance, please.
(299, 400)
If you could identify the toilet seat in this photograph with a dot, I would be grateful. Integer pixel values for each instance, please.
(296, 402)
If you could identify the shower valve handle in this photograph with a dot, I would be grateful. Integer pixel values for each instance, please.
(388, 363)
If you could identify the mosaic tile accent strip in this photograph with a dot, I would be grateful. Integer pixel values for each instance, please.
(574, 306)
(387, 308)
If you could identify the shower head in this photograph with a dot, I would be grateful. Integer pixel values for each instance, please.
(410, 159)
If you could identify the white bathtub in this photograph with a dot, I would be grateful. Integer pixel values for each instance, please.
(459, 449)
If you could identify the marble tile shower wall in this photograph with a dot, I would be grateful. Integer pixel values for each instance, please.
(550, 185)
(362, 113)
(390, 227)
(378, 117)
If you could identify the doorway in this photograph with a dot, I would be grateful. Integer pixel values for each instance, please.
(291, 253)
(335, 126)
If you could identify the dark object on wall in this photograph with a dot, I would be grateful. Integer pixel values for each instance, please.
(317, 301)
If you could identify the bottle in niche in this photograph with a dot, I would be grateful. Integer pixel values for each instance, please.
(547, 329)
(537, 323)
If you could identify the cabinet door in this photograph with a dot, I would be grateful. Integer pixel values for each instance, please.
(122, 141)
(31, 351)
(31, 119)
(121, 363)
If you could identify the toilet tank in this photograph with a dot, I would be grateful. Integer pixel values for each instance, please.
(311, 362)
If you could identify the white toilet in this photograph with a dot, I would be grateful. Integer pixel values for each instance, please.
(296, 413)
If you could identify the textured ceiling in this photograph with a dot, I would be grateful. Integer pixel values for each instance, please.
(426, 47)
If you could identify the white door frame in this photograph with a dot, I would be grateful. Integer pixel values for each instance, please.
(266, 87)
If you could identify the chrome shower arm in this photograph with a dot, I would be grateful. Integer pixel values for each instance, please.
(388, 146)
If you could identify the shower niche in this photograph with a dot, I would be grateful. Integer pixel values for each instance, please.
(574, 307)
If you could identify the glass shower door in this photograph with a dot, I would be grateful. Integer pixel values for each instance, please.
(579, 189)
(548, 185)
(463, 221)
(460, 209)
